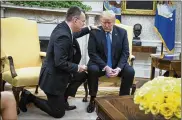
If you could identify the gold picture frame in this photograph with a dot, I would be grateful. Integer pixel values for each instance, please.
(138, 7)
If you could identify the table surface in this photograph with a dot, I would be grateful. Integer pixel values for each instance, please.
(144, 49)
(171, 63)
(121, 108)
(167, 58)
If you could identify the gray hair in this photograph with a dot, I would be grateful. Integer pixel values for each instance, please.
(73, 11)
(108, 14)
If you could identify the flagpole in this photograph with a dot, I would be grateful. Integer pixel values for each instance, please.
(162, 49)
(160, 71)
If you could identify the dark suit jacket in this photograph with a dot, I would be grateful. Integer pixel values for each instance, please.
(97, 48)
(60, 62)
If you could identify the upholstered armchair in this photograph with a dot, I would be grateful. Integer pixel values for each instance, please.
(20, 54)
(131, 59)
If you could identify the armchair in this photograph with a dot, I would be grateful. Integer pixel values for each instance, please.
(20, 54)
(131, 59)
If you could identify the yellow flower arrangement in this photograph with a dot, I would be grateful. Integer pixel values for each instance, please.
(161, 96)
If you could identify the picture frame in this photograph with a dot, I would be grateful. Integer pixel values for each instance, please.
(138, 7)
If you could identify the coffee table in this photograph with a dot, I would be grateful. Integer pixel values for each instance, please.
(119, 108)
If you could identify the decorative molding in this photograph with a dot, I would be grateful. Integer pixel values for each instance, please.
(156, 41)
(2, 12)
(62, 10)
(158, 44)
(146, 72)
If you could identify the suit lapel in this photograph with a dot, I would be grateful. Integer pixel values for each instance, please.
(71, 40)
(77, 46)
(103, 40)
(114, 40)
(67, 28)
(77, 54)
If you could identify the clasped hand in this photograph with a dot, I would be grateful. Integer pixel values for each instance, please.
(111, 72)
(82, 68)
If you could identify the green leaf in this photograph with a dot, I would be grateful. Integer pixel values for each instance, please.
(52, 4)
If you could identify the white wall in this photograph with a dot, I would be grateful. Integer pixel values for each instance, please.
(45, 29)
(96, 6)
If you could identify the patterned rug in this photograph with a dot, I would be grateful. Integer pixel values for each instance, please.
(105, 88)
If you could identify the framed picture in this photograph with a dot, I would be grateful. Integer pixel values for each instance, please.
(138, 7)
(115, 6)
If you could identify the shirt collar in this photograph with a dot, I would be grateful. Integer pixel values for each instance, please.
(109, 32)
(69, 28)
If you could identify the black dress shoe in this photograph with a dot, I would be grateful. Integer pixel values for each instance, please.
(68, 107)
(24, 100)
(91, 107)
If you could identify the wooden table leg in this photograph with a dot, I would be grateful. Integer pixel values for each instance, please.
(160, 72)
(98, 118)
(152, 74)
(171, 73)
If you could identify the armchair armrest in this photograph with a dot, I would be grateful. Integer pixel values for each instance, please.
(42, 54)
(11, 63)
(132, 58)
(12, 67)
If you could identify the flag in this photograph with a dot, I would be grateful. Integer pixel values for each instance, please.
(118, 19)
(165, 25)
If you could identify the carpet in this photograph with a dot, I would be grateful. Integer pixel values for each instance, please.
(105, 88)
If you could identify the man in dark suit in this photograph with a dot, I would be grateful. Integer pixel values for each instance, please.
(60, 67)
(108, 50)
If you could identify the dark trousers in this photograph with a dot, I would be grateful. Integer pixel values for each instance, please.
(55, 104)
(127, 77)
(75, 82)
